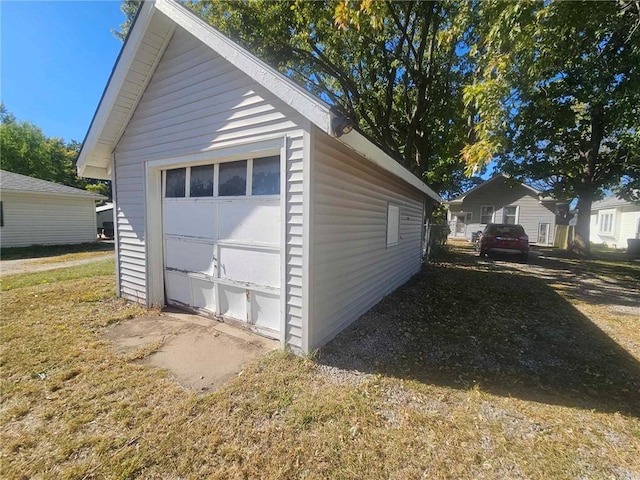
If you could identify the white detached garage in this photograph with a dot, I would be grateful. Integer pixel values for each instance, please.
(240, 195)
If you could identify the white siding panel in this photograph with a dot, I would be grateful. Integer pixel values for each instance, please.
(32, 219)
(196, 101)
(353, 269)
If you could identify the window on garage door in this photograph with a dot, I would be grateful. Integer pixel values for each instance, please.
(252, 177)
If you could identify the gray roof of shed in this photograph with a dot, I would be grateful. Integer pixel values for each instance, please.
(22, 183)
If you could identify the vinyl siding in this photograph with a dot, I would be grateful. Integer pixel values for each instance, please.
(352, 268)
(196, 101)
(531, 213)
(37, 219)
(625, 226)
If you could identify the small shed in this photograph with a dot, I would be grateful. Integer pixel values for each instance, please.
(240, 195)
(37, 212)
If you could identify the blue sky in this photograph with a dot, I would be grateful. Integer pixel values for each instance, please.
(56, 58)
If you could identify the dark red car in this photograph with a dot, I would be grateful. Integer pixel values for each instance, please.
(502, 238)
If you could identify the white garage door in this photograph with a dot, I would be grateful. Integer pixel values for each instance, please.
(221, 225)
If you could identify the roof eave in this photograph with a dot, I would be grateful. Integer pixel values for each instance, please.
(109, 95)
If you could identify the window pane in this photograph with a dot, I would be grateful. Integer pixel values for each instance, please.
(202, 181)
(393, 225)
(510, 215)
(233, 179)
(266, 176)
(486, 215)
(175, 184)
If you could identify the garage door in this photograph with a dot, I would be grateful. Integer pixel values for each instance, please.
(221, 229)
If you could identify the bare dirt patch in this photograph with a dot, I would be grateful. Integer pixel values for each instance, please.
(200, 354)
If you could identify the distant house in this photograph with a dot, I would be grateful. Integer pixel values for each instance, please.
(502, 200)
(37, 212)
(613, 221)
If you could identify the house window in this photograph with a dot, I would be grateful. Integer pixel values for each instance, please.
(606, 223)
(232, 179)
(201, 181)
(175, 183)
(393, 225)
(265, 179)
(486, 215)
(469, 218)
(510, 215)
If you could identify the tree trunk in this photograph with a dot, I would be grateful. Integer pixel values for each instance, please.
(580, 244)
(587, 189)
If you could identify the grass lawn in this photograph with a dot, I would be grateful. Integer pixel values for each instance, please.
(494, 375)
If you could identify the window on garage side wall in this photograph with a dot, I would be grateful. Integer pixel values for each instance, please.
(393, 225)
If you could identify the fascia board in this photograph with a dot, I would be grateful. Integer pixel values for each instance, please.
(114, 85)
(362, 145)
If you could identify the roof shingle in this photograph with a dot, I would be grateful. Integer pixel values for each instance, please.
(22, 183)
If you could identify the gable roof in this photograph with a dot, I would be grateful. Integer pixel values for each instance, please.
(611, 202)
(486, 183)
(22, 183)
(148, 37)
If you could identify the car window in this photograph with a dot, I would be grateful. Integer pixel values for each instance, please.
(509, 230)
(505, 230)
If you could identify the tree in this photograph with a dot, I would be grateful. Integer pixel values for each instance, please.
(557, 93)
(28, 151)
(396, 68)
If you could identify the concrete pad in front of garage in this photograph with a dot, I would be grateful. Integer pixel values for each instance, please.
(200, 354)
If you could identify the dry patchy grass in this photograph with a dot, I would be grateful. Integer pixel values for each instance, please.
(73, 408)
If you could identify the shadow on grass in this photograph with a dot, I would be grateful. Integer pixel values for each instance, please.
(43, 251)
(509, 333)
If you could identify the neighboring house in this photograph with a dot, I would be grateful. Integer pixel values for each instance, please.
(502, 200)
(241, 195)
(613, 221)
(37, 212)
(104, 213)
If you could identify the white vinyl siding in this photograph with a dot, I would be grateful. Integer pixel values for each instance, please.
(352, 269)
(614, 226)
(196, 101)
(40, 219)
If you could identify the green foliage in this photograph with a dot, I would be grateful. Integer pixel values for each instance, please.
(558, 96)
(394, 67)
(27, 150)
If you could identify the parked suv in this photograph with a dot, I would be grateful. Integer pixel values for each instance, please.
(502, 238)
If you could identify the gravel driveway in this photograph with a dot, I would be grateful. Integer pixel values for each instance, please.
(30, 265)
(545, 331)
